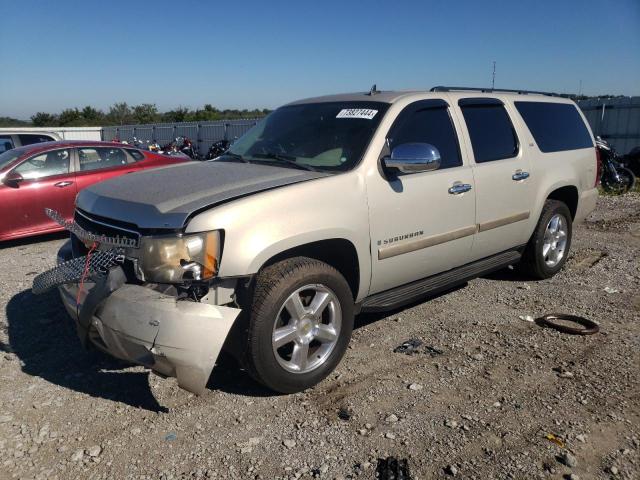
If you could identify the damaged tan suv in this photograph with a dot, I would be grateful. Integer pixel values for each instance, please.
(328, 207)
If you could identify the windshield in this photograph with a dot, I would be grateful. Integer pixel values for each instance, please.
(10, 155)
(328, 136)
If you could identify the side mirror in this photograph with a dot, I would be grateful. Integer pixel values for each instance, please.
(12, 179)
(413, 157)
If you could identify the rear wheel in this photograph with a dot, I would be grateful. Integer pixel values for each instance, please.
(627, 182)
(300, 324)
(628, 178)
(548, 248)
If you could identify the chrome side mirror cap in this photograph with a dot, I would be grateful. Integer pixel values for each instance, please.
(413, 158)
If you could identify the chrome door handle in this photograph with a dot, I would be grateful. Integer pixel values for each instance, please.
(458, 188)
(520, 175)
(62, 184)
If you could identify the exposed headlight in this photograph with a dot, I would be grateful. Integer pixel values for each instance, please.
(176, 259)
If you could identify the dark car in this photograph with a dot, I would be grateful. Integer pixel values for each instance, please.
(50, 174)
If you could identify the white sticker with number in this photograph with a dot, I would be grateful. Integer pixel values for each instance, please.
(365, 113)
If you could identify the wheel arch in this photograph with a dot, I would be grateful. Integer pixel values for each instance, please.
(567, 194)
(340, 253)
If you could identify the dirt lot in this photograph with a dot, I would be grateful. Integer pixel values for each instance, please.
(478, 405)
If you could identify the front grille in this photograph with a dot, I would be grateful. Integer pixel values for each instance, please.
(105, 227)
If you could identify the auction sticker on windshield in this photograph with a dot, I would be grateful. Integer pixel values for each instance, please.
(365, 113)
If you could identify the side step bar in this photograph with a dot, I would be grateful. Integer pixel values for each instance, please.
(438, 283)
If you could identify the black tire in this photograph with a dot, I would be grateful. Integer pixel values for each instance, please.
(627, 182)
(533, 262)
(273, 286)
(552, 321)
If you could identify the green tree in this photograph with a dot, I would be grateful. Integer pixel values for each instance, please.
(70, 117)
(145, 113)
(92, 116)
(43, 119)
(119, 114)
(180, 114)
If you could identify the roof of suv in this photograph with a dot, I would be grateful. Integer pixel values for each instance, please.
(393, 96)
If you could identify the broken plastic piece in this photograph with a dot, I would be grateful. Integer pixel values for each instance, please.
(555, 439)
(409, 347)
(413, 345)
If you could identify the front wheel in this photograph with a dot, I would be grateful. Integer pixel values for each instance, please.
(548, 248)
(300, 325)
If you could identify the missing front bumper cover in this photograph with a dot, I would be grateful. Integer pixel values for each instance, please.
(135, 323)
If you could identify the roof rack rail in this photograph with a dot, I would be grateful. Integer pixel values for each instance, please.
(441, 88)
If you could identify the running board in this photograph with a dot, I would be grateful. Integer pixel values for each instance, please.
(438, 283)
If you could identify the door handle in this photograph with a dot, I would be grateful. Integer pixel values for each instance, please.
(62, 184)
(520, 175)
(458, 188)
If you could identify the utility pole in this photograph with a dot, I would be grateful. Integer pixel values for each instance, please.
(493, 79)
(580, 89)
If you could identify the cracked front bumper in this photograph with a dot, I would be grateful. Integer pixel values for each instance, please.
(179, 339)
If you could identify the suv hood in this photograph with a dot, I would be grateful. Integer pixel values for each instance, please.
(166, 197)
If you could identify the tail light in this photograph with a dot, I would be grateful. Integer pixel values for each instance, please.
(598, 168)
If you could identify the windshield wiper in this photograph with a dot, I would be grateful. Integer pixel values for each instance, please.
(235, 156)
(283, 158)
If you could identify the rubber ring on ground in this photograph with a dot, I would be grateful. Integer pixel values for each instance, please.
(590, 327)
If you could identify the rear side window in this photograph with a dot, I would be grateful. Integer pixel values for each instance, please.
(422, 123)
(97, 158)
(492, 134)
(137, 155)
(556, 127)
(30, 139)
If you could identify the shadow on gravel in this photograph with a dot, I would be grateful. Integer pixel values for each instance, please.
(24, 242)
(367, 318)
(229, 376)
(44, 339)
(509, 275)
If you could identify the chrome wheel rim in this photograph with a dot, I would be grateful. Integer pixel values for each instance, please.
(555, 241)
(307, 328)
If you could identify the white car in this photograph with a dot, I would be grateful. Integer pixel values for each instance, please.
(329, 206)
(10, 139)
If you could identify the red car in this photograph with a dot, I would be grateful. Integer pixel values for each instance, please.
(50, 174)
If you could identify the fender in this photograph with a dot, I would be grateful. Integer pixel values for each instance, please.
(265, 224)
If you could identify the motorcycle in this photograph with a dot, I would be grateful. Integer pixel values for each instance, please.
(614, 177)
(217, 149)
(181, 145)
(188, 149)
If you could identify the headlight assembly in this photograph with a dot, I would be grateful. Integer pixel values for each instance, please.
(174, 259)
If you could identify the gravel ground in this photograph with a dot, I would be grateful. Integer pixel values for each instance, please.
(478, 404)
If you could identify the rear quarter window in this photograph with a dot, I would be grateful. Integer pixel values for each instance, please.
(137, 155)
(555, 127)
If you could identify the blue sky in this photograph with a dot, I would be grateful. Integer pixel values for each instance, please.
(58, 54)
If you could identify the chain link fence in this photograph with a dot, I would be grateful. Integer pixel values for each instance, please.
(202, 134)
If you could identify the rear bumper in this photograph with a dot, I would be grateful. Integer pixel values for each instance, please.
(179, 339)
(586, 204)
